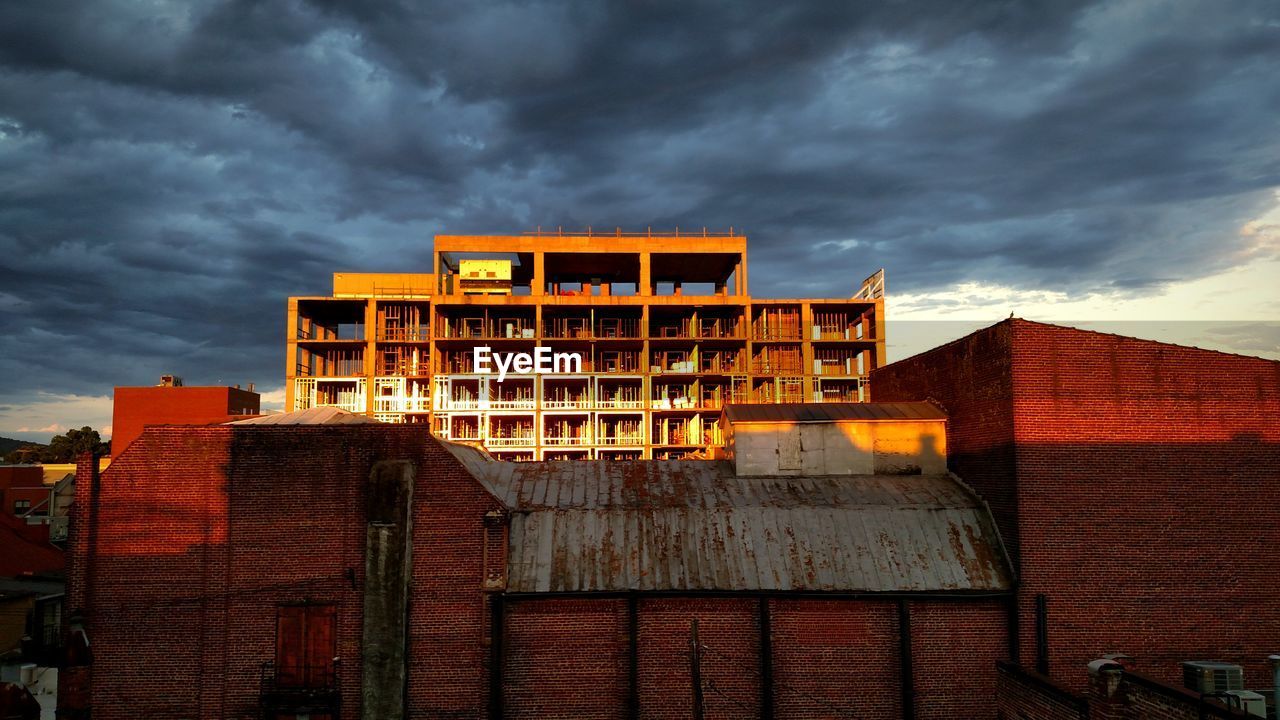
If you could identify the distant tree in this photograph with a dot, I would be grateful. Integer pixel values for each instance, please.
(24, 454)
(65, 448)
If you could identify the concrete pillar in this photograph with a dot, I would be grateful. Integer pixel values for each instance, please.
(290, 353)
(370, 351)
(539, 274)
(878, 327)
(388, 573)
(646, 280)
(806, 352)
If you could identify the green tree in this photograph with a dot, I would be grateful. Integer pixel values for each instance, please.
(65, 448)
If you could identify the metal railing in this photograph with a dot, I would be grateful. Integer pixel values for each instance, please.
(649, 232)
(301, 689)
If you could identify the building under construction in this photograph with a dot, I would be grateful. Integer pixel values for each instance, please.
(664, 325)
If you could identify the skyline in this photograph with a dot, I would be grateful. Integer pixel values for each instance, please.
(171, 177)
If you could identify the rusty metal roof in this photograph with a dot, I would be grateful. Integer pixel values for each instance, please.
(311, 416)
(694, 525)
(833, 412)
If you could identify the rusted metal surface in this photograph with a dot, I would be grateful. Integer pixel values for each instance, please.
(311, 416)
(832, 412)
(694, 525)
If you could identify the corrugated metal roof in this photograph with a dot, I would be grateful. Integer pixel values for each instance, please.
(833, 412)
(310, 416)
(694, 525)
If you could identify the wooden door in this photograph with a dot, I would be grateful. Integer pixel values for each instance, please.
(305, 646)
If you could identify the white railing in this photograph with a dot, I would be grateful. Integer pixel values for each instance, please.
(636, 439)
(445, 403)
(511, 441)
(304, 393)
(623, 404)
(355, 405)
(521, 404)
(568, 440)
(565, 404)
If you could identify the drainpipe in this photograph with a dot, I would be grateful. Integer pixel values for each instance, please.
(1042, 635)
(905, 672)
(1275, 680)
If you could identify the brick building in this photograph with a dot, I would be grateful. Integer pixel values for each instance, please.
(172, 403)
(23, 492)
(1136, 483)
(321, 563)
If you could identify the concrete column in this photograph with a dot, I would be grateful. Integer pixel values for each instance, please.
(370, 351)
(290, 353)
(539, 274)
(879, 329)
(646, 281)
(388, 573)
(806, 352)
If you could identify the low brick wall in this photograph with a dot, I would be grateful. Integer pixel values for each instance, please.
(1022, 694)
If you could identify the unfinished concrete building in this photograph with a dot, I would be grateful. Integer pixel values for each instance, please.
(664, 325)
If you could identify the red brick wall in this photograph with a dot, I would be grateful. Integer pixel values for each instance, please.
(1169, 461)
(730, 632)
(448, 612)
(23, 482)
(201, 533)
(955, 647)
(1147, 489)
(1024, 695)
(848, 659)
(135, 407)
(565, 658)
(972, 380)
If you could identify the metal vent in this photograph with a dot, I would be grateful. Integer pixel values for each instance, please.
(1207, 676)
(1251, 703)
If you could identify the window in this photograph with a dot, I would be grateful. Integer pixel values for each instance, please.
(20, 507)
(305, 646)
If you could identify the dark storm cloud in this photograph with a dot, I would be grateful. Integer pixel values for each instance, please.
(171, 172)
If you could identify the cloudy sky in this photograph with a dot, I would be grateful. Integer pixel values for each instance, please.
(171, 171)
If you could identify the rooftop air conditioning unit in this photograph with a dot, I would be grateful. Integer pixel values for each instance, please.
(1250, 702)
(1207, 676)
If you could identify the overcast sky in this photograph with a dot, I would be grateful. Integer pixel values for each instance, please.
(171, 171)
